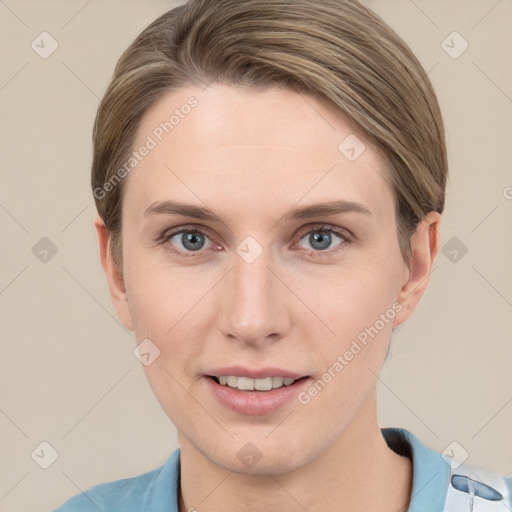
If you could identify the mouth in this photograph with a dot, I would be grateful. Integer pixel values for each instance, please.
(255, 396)
(255, 391)
(264, 384)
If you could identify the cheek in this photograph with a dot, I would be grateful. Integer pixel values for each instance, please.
(160, 296)
(347, 301)
(172, 308)
(356, 309)
(349, 355)
(167, 309)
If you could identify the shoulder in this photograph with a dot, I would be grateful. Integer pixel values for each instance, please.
(157, 487)
(478, 488)
(126, 492)
(443, 484)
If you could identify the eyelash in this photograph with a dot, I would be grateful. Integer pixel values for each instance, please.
(320, 228)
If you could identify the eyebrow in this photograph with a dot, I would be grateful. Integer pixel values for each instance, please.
(170, 207)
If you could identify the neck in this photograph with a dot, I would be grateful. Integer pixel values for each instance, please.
(357, 473)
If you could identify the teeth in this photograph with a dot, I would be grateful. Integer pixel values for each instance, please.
(245, 383)
(248, 384)
(277, 382)
(263, 384)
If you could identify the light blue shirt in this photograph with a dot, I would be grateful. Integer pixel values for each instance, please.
(439, 485)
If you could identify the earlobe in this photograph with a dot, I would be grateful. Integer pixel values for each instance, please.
(424, 248)
(114, 277)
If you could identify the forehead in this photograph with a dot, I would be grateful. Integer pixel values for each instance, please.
(259, 146)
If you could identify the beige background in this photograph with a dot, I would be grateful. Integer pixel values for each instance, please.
(68, 374)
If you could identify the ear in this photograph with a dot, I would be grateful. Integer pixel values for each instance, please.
(115, 280)
(424, 246)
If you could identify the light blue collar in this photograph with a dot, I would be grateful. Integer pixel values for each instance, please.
(431, 474)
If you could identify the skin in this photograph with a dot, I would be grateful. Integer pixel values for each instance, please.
(250, 156)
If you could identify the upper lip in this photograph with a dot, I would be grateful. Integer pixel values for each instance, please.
(253, 373)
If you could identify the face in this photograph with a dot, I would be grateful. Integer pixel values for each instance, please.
(254, 245)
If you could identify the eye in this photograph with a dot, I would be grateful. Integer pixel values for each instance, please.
(188, 240)
(322, 239)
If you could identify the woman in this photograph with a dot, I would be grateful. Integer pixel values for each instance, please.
(270, 179)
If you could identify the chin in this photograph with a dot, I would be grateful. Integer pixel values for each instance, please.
(258, 458)
(277, 464)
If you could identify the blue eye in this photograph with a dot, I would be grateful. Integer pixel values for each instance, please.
(189, 240)
(321, 239)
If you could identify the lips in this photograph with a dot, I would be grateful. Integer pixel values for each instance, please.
(252, 391)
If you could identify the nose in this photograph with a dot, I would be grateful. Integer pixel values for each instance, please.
(253, 307)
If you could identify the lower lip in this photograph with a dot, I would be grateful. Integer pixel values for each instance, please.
(253, 403)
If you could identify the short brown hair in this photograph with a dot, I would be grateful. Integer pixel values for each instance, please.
(337, 51)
